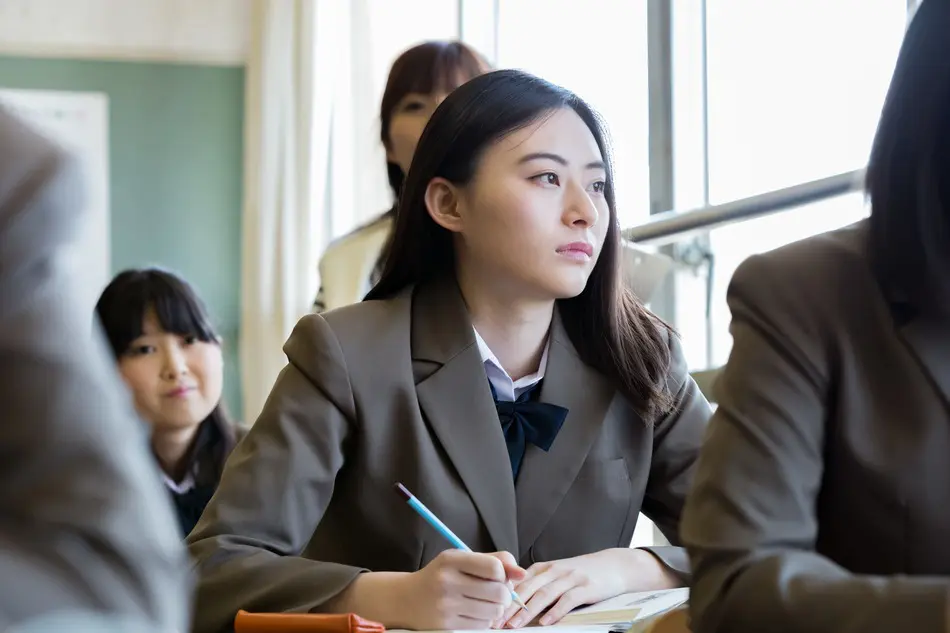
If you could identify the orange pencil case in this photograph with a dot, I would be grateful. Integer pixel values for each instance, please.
(245, 622)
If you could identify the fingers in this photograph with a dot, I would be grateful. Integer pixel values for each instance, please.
(537, 569)
(513, 571)
(570, 600)
(484, 566)
(536, 577)
(474, 586)
(484, 612)
(542, 599)
(487, 591)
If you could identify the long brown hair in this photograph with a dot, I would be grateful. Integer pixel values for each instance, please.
(426, 68)
(611, 331)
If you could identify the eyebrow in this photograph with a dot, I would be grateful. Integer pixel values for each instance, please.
(527, 158)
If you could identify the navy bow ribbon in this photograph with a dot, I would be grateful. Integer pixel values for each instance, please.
(527, 420)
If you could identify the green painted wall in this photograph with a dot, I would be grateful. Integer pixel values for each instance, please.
(175, 143)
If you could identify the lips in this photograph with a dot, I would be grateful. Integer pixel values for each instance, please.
(577, 248)
(179, 392)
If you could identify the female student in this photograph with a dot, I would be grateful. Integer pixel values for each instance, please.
(418, 81)
(822, 498)
(500, 370)
(170, 358)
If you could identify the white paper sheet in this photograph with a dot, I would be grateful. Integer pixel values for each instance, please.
(629, 607)
(557, 628)
(623, 614)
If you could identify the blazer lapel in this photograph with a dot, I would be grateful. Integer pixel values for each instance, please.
(545, 477)
(454, 395)
(928, 338)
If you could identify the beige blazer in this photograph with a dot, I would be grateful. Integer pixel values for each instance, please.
(84, 522)
(822, 498)
(395, 391)
(347, 265)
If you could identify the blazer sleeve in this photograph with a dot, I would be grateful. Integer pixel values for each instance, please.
(749, 523)
(87, 526)
(274, 491)
(677, 439)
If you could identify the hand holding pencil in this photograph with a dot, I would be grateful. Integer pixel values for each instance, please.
(461, 589)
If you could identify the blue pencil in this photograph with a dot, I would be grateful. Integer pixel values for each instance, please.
(443, 529)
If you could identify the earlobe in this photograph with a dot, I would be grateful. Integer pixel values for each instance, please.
(442, 203)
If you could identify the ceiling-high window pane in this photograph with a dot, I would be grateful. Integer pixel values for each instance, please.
(381, 30)
(598, 49)
(795, 88)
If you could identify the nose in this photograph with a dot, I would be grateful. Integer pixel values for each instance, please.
(580, 210)
(174, 365)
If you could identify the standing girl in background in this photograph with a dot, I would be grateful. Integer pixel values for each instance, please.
(419, 80)
(500, 369)
(170, 358)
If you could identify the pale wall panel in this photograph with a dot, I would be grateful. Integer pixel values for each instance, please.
(191, 31)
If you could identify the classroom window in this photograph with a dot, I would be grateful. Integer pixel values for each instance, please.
(598, 49)
(795, 88)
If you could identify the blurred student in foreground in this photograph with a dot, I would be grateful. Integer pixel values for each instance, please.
(85, 527)
(822, 496)
(419, 80)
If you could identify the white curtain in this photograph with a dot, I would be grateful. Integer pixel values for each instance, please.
(310, 112)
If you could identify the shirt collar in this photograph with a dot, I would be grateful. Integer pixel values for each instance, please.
(507, 389)
(179, 487)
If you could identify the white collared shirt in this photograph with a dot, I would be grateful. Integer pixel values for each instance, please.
(179, 487)
(506, 389)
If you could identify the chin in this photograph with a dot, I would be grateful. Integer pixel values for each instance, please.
(566, 288)
(554, 283)
(182, 424)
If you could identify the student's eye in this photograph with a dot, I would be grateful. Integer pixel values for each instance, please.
(191, 339)
(140, 350)
(599, 186)
(413, 106)
(548, 179)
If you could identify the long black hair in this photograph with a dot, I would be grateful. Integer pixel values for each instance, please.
(908, 175)
(610, 329)
(121, 312)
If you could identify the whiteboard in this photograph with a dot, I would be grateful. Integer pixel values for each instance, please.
(78, 122)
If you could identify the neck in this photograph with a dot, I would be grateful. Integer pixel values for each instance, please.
(171, 447)
(515, 330)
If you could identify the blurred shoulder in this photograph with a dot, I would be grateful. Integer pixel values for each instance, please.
(240, 430)
(40, 208)
(29, 162)
(827, 270)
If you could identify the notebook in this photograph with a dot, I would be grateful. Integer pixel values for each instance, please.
(629, 607)
(627, 613)
(534, 628)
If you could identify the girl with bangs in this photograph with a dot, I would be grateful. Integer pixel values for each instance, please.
(169, 356)
(419, 80)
